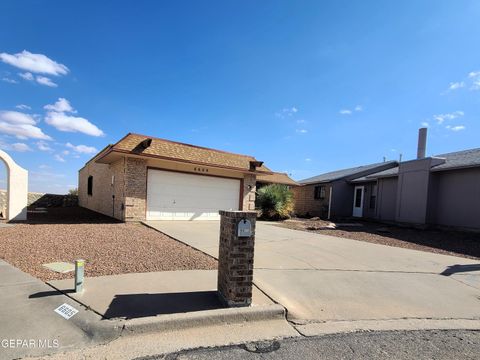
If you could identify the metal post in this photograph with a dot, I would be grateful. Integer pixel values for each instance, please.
(79, 274)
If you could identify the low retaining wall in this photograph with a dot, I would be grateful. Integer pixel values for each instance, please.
(41, 200)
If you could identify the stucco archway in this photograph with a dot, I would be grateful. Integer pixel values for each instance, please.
(17, 189)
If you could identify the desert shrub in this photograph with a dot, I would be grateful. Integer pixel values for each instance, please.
(275, 202)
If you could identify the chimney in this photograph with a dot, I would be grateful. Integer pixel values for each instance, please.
(422, 143)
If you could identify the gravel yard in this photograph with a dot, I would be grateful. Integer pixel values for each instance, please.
(456, 243)
(109, 247)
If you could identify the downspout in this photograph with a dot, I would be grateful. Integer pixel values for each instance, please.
(330, 202)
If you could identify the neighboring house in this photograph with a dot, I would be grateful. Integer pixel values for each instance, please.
(146, 178)
(442, 190)
(275, 178)
(330, 195)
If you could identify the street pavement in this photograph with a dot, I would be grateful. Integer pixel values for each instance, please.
(322, 278)
(398, 345)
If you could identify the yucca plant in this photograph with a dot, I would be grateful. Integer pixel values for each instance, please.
(275, 202)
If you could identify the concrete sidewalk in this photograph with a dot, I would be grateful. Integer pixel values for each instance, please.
(328, 279)
(27, 317)
(138, 295)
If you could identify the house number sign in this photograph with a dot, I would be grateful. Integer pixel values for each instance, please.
(244, 228)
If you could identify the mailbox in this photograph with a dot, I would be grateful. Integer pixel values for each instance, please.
(244, 228)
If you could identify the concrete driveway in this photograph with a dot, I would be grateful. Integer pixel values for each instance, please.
(322, 278)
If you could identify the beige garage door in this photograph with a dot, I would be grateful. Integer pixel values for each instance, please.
(178, 196)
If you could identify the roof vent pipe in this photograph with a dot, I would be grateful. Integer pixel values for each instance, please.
(422, 143)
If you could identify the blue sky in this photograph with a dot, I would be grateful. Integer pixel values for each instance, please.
(306, 86)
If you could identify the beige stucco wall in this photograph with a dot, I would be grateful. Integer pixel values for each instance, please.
(102, 200)
(17, 187)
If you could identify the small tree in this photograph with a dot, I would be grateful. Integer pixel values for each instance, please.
(275, 202)
(73, 192)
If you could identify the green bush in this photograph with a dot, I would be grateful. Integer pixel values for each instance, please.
(275, 202)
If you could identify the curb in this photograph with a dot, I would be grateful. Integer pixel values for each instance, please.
(406, 324)
(170, 322)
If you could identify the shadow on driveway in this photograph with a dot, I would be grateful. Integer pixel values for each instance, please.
(454, 269)
(141, 305)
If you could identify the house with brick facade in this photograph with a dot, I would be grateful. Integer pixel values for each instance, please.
(146, 178)
(330, 195)
(441, 190)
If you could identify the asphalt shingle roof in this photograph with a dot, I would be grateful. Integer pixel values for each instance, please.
(453, 160)
(276, 178)
(171, 150)
(344, 173)
(459, 159)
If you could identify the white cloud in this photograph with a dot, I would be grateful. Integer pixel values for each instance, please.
(67, 123)
(43, 146)
(62, 105)
(286, 112)
(475, 77)
(308, 159)
(66, 152)
(301, 131)
(36, 63)
(20, 147)
(20, 125)
(455, 128)
(424, 124)
(357, 108)
(57, 117)
(473, 74)
(45, 81)
(82, 149)
(26, 76)
(456, 85)
(23, 107)
(43, 166)
(59, 158)
(440, 118)
(10, 81)
(42, 80)
(301, 121)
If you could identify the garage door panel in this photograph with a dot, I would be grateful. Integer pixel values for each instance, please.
(178, 196)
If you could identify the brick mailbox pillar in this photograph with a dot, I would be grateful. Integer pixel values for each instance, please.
(235, 258)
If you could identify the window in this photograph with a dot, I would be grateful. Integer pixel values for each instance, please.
(373, 197)
(319, 193)
(90, 185)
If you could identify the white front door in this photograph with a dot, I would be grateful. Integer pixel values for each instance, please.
(358, 201)
(180, 196)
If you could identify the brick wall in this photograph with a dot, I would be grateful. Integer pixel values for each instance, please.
(235, 259)
(135, 189)
(249, 188)
(306, 204)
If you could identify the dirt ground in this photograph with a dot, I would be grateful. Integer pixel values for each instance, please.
(456, 243)
(109, 247)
